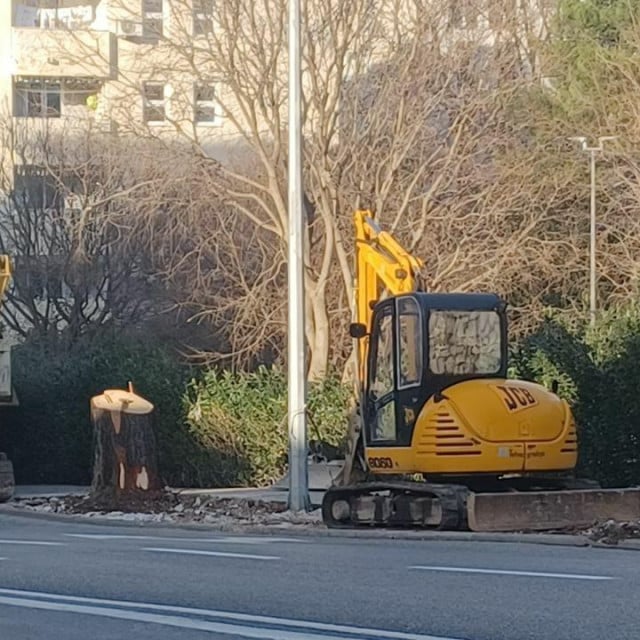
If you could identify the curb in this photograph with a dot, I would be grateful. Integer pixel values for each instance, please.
(631, 544)
(562, 540)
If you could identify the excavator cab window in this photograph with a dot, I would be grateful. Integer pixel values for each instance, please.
(410, 347)
(463, 343)
(396, 370)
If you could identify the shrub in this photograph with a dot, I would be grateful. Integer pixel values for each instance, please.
(243, 416)
(214, 428)
(598, 374)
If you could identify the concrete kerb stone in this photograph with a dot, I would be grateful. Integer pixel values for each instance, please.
(565, 540)
(623, 545)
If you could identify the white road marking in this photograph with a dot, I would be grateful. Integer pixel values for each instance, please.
(98, 536)
(256, 540)
(221, 554)
(224, 540)
(226, 622)
(35, 543)
(503, 572)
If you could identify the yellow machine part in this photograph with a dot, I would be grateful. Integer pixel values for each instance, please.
(486, 426)
(5, 275)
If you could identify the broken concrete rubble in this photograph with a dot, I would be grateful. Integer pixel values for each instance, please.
(172, 507)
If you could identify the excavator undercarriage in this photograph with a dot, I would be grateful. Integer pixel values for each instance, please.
(517, 506)
(397, 504)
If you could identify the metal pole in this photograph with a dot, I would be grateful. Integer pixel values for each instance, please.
(593, 308)
(298, 472)
(592, 249)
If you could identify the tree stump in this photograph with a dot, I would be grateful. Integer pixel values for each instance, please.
(125, 448)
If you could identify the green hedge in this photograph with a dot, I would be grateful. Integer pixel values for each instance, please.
(216, 428)
(243, 416)
(598, 372)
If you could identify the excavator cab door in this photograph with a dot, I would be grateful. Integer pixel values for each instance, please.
(380, 400)
(420, 344)
(393, 397)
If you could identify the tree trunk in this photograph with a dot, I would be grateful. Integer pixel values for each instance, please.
(318, 336)
(7, 481)
(125, 453)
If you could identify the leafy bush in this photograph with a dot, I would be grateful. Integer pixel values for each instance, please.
(244, 416)
(598, 374)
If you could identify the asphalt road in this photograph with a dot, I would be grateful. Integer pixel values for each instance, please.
(98, 582)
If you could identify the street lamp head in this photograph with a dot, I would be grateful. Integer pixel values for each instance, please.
(581, 139)
(585, 146)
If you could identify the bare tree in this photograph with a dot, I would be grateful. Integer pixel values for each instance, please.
(407, 110)
(393, 119)
(67, 195)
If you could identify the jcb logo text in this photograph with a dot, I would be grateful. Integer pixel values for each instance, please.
(516, 398)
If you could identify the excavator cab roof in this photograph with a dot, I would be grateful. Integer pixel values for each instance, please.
(460, 301)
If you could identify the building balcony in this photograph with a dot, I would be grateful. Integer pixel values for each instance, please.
(62, 53)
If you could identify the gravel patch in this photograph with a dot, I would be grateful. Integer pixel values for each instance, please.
(172, 507)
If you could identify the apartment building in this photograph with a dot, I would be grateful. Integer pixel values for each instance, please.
(74, 65)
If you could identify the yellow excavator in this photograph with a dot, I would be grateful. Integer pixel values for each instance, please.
(441, 437)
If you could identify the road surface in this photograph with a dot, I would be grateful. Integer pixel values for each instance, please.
(98, 582)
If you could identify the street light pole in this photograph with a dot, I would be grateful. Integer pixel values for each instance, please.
(592, 241)
(297, 419)
(592, 223)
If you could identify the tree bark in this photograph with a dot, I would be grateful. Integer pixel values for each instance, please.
(125, 449)
(7, 480)
(319, 347)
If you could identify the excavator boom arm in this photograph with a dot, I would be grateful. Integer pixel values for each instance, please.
(382, 265)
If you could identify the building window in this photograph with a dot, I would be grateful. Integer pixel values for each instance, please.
(37, 98)
(202, 17)
(34, 188)
(206, 105)
(154, 102)
(40, 277)
(152, 18)
(54, 14)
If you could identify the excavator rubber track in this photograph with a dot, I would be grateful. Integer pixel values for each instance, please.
(396, 504)
(452, 507)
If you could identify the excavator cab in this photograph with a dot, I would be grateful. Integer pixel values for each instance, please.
(421, 344)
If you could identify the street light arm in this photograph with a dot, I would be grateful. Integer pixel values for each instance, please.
(586, 147)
